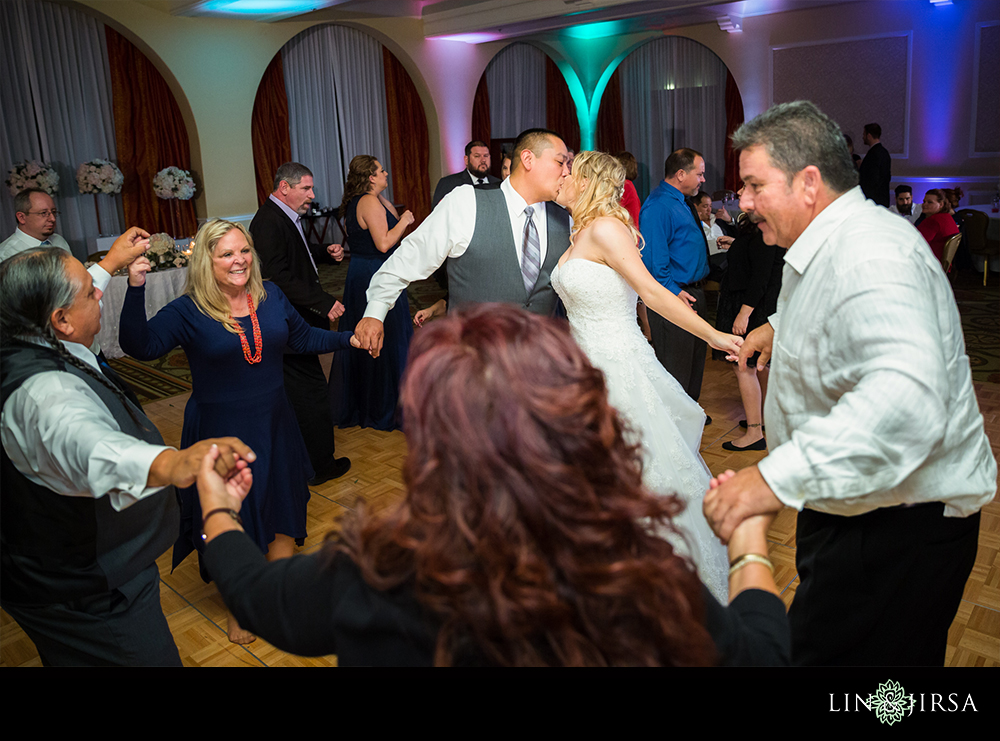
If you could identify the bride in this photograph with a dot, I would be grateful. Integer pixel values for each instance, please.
(598, 279)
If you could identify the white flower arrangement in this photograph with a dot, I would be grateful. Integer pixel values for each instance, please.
(99, 176)
(32, 174)
(173, 182)
(163, 253)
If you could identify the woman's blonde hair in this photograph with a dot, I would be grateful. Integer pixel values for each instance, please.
(601, 180)
(201, 284)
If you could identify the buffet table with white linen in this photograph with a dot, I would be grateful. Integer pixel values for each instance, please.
(162, 287)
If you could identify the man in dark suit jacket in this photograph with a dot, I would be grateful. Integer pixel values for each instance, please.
(289, 260)
(476, 172)
(876, 167)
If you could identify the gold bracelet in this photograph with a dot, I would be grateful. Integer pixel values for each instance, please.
(747, 558)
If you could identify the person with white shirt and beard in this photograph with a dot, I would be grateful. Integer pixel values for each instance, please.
(904, 205)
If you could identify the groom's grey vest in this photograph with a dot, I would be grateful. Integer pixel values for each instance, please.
(489, 270)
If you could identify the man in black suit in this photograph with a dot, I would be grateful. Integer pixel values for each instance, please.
(476, 172)
(289, 261)
(876, 167)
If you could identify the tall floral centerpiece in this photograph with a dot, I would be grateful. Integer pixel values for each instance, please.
(99, 177)
(32, 174)
(173, 184)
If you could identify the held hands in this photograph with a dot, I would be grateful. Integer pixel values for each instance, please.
(336, 251)
(728, 343)
(130, 245)
(355, 342)
(180, 467)
(370, 332)
(733, 498)
(337, 311)
(216, 491)
(137, 270)
(760, 340)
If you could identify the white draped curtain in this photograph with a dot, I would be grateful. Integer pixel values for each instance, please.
(515, 79)
(335, 82)
(55, 94)
(674, 95)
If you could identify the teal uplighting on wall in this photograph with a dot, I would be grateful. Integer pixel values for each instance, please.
(261, 7)
(595, 30)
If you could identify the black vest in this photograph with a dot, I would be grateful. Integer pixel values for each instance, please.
(56, 548)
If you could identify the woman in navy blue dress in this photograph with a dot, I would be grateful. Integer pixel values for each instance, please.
(234, 331)
(364, 391)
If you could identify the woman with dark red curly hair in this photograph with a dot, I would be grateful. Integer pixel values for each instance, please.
(526, 537)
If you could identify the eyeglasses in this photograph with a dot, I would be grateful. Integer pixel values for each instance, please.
(44, 214)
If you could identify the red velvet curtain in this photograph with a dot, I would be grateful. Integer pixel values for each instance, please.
(734, 119)
(560, 111)
(149, 135)
(610, 135)
(272, 146)
(481, 113)
(409, 142)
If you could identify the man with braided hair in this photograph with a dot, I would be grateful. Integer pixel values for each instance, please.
(87, 502)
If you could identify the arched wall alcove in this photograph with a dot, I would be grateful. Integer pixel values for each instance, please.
(334, 91)
(90, 89)
(523, 87)
(663, 94)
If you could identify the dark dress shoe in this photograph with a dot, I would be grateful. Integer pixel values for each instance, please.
(338, 468)
(759, 445)
(708, 420)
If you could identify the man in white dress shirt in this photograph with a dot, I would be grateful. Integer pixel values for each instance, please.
(457, 231)
(904, 205)
(36, 214)
(874, 431)
(87, 499)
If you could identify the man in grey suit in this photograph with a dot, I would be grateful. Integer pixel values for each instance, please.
(500, 244)
(476, 172)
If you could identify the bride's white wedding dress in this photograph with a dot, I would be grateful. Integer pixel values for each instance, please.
(601, 306)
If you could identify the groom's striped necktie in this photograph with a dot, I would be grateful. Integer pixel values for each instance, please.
(531, 260)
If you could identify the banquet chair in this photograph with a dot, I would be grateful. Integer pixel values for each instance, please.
(950, 248)
(974, 225)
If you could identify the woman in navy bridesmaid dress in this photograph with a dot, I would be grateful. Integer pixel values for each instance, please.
(234, 329)
(364, 391)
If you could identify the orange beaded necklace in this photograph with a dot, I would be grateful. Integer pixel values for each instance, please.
(255, 358)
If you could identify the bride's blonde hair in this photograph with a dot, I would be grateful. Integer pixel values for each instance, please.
(601, 182)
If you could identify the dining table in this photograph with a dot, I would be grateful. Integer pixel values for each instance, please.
(162, 287)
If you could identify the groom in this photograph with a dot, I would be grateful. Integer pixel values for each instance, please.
(500, 245)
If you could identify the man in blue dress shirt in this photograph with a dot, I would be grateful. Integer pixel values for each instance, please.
(676, 254)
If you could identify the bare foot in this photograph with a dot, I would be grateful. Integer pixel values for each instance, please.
(239, 635)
